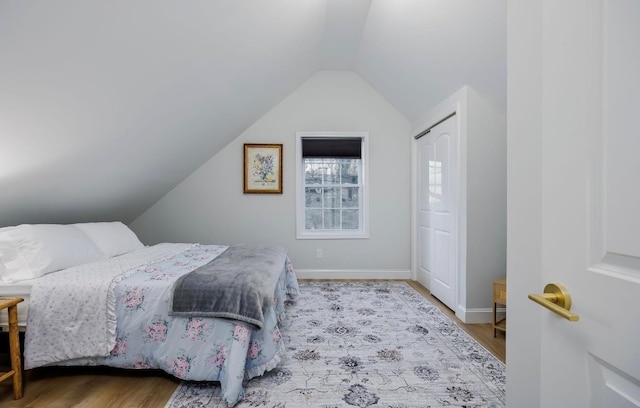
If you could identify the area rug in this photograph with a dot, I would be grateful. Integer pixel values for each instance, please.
(367, 344)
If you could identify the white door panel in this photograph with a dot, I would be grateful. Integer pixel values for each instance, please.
(423, 216)
(437, 165)
(613, 273)
(442, 267)
(424, 256)
(439, 170)
(424, 155)
(589, 207)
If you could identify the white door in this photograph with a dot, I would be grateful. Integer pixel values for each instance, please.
(574, 202)
(437, 238)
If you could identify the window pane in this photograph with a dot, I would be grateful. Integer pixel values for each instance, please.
(350, 197)
(313, 197)
(332, 197)
(312, 171)
(331, 219)
(350, 219)
(332, 171)
(313, 219)
(349, 169)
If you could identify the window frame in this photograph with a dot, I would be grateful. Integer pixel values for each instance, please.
(363, 231)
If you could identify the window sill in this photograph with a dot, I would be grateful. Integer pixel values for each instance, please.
(332, 235)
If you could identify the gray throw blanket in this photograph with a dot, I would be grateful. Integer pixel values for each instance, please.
(239, 284)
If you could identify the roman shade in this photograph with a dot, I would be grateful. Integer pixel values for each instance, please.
(332, 147)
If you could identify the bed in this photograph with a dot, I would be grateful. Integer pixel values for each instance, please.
(94, 295)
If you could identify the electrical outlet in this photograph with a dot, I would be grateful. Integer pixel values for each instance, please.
(318, 253)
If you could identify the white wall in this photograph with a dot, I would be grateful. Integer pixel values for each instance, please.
(482, 200)
(209, 206)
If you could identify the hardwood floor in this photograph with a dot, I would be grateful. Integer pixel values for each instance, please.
(89, 387)
(67, 387)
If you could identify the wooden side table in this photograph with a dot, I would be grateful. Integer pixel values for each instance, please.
(499, 298)
(11, 304)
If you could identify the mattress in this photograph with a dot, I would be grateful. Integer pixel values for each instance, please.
(20, 289)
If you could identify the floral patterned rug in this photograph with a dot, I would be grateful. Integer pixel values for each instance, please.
(367, 344)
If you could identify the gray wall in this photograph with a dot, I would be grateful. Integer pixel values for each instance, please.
(486, 257)
(210, 207)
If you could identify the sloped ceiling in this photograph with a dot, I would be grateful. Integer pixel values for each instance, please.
(107, 105)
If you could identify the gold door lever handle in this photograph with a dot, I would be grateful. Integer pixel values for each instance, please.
(556, 298)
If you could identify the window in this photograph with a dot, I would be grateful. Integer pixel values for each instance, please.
(332, 199)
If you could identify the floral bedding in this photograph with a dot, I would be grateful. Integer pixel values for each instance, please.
(199, 349)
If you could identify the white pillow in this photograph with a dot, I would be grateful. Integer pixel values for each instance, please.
(30, 251)
(113, 238)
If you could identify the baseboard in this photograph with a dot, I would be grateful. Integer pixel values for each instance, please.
(480, 315)
(352, 274)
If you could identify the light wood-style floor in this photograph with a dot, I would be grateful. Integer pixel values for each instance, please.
(89, 387)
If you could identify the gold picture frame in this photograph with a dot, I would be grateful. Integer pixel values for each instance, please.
(262, 168)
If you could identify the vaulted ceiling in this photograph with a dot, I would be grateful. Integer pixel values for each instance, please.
(107, 105)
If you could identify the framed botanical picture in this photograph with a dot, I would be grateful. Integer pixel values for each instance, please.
(262, 168)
